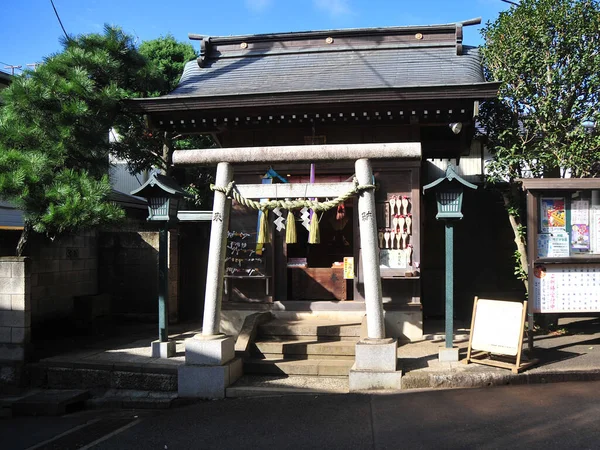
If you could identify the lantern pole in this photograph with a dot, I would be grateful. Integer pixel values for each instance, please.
(449, 225)
(163, 283)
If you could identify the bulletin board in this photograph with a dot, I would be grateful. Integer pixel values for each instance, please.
(566, 288)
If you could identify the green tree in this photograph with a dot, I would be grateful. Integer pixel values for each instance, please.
(545, 121)
(146, 148)
(54, 132)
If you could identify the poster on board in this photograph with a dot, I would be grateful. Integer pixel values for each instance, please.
(580, 226)
(566, 288)
(555, 245)
(595, 230)
(552, 215)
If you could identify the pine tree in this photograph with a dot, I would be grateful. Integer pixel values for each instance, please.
(54, 127)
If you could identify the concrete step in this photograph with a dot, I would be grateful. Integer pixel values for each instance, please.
(132, 399)
(304, 349)
(51, 402)
(100, 376)
(311, 328)
(313, 367)
(264, 385)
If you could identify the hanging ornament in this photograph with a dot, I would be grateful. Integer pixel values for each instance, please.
(408, 224)
(409, 252)
(279, 221)
(395, 222)
(404, 240)
(398, 242)
(341, 212)
(380, 236)
(386, 235)
(305, 216)
(405, 205)
(263, 233)
(314, 236)
(290, 232)
(392, 202)
(401, 222)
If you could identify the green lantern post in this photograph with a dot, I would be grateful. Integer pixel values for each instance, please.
(163, 195)
(449, 196)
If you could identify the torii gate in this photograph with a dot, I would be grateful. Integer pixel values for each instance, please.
(210, 357)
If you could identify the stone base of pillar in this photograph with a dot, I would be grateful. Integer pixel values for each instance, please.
(207, 382)
(209, 350)
(375, 366)
(448, 354)
(163, 349)
(210, 366)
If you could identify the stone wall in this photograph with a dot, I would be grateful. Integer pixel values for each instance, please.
(15, 308)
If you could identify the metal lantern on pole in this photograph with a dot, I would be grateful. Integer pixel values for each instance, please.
(163, 195)
(449, 191)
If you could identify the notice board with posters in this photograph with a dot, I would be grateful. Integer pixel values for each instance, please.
(566, 288)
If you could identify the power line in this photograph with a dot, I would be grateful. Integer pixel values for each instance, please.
(508, 1)
(59, 21)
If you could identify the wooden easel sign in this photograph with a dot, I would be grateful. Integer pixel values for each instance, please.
(497, 334)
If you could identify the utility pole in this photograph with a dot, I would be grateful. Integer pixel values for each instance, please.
(34, 65)
(12, 69)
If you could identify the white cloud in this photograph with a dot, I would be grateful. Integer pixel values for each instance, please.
(258, 5)
(334, 8)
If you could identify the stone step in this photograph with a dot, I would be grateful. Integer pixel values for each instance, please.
(132, 399)
(51, 402)
(311, 328)
(313, 367)
(99, 376)
(305, 349)
(264, 385)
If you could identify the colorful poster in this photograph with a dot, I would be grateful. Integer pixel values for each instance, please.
(552, 215)
(580, 237)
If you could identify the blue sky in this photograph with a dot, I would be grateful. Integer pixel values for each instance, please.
(29, 29)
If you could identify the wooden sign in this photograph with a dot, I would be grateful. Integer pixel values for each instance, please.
(497, 334)
(348, 267)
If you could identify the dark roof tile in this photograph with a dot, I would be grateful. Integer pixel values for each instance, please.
(374, 68)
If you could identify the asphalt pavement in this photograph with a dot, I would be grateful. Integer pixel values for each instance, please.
(544, 416)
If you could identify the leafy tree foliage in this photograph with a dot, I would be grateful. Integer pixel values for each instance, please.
(53, 132)
(545, 121)
(54, 125)
(145, 148)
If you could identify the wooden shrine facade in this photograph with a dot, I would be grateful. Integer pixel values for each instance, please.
(332, 88)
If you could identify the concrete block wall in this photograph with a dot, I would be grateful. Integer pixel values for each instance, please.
(128, 271)
(15, 307)
(60, 270)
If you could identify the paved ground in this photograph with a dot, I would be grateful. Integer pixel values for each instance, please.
(572, 352)
(549, 416)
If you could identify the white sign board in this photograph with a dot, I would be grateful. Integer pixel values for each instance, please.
(497, 327)
(566, 288)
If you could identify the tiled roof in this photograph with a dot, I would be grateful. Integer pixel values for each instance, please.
(342, 69)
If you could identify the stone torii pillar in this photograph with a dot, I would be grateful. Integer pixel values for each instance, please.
(210, 362)
(375, 365)
(210, 358)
